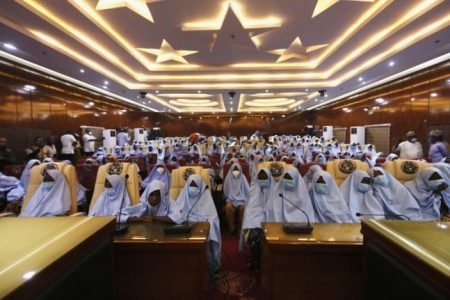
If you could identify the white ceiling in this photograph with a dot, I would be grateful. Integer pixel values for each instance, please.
(188, 54)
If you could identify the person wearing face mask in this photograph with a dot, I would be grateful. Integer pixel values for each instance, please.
(52, 197)
(393, 195)
(113, 197)
(236, 194)
(173, 161)
(438, 149)
(11, 192)
(426, 188)
(409, 149)
(25, 177)
(329, 204)
(293, 188)
(195, 199)
(359, 196)
(154, 201)
(256, 213)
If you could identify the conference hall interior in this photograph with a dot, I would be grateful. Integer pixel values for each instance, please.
(225, 149)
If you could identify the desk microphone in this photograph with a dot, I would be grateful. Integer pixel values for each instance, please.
(358, 214)
(121, 228)
(296, 227)
(183, 228)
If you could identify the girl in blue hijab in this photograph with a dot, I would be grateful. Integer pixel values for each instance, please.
(196, 199)
(159, 172)
(359, 196)
(52, 197)
(292, 187)
(393, 195)
(25, 177)
(154, 201)
(236, 193)
(327, 199)
(113, 198)
(426, 189)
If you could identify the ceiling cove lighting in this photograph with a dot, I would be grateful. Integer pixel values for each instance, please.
(434, 95)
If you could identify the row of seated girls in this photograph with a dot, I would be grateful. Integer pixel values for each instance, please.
(375, 193)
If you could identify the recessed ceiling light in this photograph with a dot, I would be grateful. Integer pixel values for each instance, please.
(192, 112)
(267, 91)
(360, 79)
(283, 116)
(434, 94)
(104, 112)
(106, 82)
(199, 91)
(149, 101)
(315, 100)
(91, 103)
(81, 70)
(170, 110)
(9, 46)
(200, 118)
(29, 87)
(105, 87)
(306, 90)
(363, 82)
(326, 95)
(96, 114)
(413, 99)
(366, 109)
(391, 63)
(379, 100)
(217, 117)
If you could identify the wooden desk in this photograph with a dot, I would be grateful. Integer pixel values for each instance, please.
(152, 265)
(56, 258)
(410, 260)
(326, 264)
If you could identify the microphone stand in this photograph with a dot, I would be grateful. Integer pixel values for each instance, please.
(121, 228)
(297, 227)
(358, 214)
(183, 228)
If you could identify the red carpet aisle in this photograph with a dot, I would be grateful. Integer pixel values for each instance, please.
(236, 281)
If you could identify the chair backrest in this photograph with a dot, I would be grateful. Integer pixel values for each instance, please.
(133, 181)
(341, 168)
(87, 174)
(179, 176)
(404, 170)
(304, 168)
(275, 167)
(36, 177)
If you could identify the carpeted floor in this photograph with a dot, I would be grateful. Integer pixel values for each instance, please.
(236, 281)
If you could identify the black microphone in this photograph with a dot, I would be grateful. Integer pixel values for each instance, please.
(296, 227)
(185, 227)
(358, 214)
(121, 228)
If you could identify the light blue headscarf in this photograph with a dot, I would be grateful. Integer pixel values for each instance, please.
(327, 199)
(49, 201)
(173, 161)
(111, 199)
(203, 211)
(236, 189)
(156, 175)
(320, 159)
(25, 177)
(144, 208)
(445, 169)
(308, 178)
(394, 196)
(279, 210)
(423, 191)
(10, 186)
(360, 197)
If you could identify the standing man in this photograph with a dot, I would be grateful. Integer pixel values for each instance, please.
(409, 149)
(6, 155)
(438, 149)
(68, 142)
(36, 151)
(88, 143)
(122, 137)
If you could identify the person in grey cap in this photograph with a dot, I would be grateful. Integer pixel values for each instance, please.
(438, 149)
(409, 149)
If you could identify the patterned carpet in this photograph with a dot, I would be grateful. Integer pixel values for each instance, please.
(235, 280)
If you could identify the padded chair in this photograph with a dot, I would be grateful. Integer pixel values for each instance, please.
(177, 179)
(267, 164)
(245, 170)
(36, 178)
(404, 170)
(133, 182)
(87, 175)
(341, 168)
(304, 168)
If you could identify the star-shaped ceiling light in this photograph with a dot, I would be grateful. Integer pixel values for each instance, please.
(166, 53)
(233, 22)
(323, 5)
(295, 50)
(138, 6)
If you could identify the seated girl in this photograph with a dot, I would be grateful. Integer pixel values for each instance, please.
(113, 198)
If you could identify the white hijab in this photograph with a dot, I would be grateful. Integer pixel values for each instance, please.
(111, 199)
